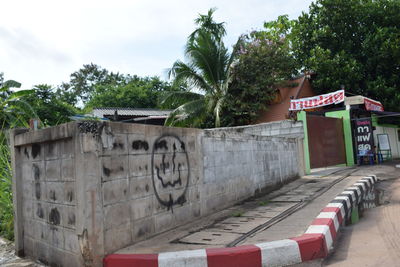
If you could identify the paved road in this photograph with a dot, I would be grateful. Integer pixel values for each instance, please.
(375, 239)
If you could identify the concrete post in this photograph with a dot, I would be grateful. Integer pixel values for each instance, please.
(17, 196)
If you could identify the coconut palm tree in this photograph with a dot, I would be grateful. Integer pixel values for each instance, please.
(206, 73)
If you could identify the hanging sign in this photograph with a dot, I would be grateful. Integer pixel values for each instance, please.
(372, 105)
(363, 136)
(317, 101)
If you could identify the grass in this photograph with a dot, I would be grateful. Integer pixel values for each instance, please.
(237, 213)
(6, 203)
(263, 203)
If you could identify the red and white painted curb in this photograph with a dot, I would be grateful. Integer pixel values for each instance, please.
(315, 243)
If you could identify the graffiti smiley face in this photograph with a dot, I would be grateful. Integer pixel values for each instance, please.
(170, 170)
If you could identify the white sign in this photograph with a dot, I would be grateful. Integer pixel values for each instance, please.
(383, 140)
(317, 101)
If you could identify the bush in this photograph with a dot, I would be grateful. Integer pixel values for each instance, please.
(6, 203)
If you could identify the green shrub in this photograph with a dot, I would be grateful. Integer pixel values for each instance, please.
(6, 203)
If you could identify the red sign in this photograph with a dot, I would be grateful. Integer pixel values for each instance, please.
(317, 101)
(372, 105)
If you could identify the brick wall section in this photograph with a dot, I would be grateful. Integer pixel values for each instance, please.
(237, 166)
(285, 128)
(86, 189)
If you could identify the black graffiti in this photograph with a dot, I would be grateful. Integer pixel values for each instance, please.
(39, 211)
(26, 153)
(162, 175)
(175, 182)
(139, 144)
(36, 176)
(161, 145)
(35, 150)
(54, 216)
(106, 171)
(118, 145)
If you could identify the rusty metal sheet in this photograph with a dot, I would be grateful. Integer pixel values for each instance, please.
(325, 141)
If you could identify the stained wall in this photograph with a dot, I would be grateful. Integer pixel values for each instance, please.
(86, 189)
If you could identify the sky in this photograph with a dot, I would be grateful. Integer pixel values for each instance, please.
(44, 41)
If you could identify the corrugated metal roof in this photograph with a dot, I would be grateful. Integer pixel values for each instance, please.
(139, 112)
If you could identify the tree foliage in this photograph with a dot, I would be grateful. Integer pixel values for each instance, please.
(83, 83)
(263, 64)
(352, 43)
(133, 92)
(48, 105)
(207, 70)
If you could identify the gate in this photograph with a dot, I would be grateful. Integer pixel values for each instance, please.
(325, 141)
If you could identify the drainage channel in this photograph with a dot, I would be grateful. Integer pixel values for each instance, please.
(288, 212)
(235, 229)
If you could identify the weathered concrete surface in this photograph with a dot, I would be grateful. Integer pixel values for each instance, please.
(225, 228)
(85, 189)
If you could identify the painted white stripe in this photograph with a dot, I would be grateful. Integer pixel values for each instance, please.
(374, 177)
(279, 253)
(353, 196)
(366, 181)
(358, 192)
(330, 215)
(347, 200)
(371, 179)
(321, 229)
(363, 186)
(185, 258)
(341, 207)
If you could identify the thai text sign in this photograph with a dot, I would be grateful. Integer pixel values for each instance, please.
(363, 136)
(372, 105)
(317, 101)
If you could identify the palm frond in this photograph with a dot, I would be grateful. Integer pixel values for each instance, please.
(189, 114)
(10, 84)
(175, 99)
(182, 72)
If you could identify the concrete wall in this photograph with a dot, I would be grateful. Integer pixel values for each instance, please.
(86, 189)
(284, 128)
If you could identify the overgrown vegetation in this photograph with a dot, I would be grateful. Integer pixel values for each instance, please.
(13, 113)
(6, 204)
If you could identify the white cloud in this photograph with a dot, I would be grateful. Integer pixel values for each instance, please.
(43, 41)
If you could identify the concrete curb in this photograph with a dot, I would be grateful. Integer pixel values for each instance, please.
(315, 243)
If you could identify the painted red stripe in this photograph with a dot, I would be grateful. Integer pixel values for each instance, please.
(312, 246)
(246, 256)
(326, 221)
(334, 209)
(131, 260)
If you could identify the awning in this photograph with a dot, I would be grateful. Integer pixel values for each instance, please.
(387, 117)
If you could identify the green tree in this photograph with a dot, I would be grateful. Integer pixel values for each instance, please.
(263, 64)
(207, 70)
(352, 43)
(48, 106)
(136, 92)
(83, 83)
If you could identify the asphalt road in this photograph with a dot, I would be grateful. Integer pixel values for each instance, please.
(375, 239)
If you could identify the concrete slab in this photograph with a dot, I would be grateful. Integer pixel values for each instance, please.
(261, 213)
(210, 238)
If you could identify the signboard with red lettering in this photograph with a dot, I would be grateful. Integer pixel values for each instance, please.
(317, 101)
(372, 105)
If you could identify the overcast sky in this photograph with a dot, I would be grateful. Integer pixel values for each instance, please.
(44, 41)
